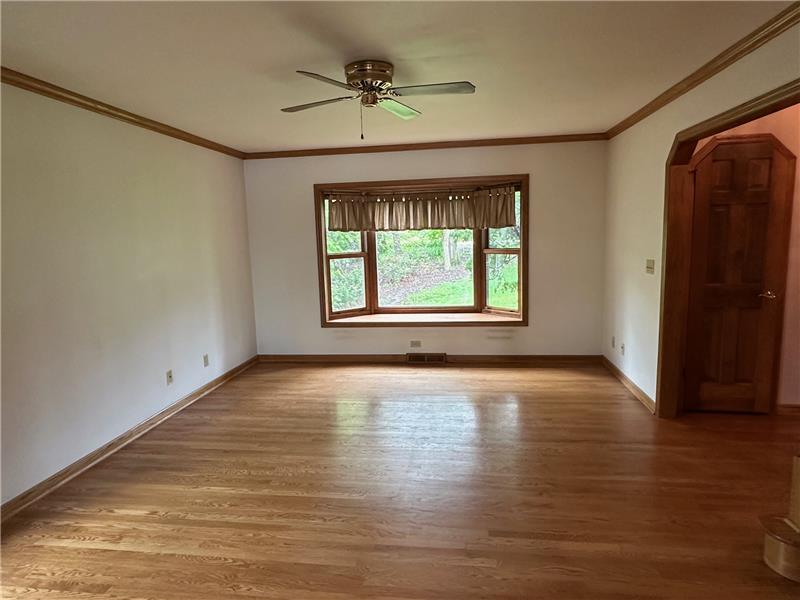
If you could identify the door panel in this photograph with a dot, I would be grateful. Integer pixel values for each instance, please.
(742, 204)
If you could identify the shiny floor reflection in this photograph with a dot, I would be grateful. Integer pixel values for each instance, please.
(410, 483)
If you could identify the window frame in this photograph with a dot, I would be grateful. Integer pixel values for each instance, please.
(481, 250)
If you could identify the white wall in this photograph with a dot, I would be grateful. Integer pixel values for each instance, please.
(567, 189)
(634, 215)
(124, 254)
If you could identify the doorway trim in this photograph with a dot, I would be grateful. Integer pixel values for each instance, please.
(677, 233)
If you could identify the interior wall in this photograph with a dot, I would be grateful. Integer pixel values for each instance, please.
(635, 200)
(124, 254)
(784, 125)
(567, 188)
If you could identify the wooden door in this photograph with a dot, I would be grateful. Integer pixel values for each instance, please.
(743, 190)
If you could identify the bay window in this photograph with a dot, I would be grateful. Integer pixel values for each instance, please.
(423, 252)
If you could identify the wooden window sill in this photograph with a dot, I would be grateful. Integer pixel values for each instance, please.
(428, 320)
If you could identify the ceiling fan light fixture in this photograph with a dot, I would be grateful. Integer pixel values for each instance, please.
(371, 82)
(369, 99)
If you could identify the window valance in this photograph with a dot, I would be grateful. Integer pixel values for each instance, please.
(398, 211)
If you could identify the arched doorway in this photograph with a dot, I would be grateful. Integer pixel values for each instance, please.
(679, 211)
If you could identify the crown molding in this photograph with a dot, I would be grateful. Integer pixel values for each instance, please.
(781, 22)
(50, 90)
(538, 139)
(31, 84)
(786, 19)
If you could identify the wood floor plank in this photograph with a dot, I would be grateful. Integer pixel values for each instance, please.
(413, 483)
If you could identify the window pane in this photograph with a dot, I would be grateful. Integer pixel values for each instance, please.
(508, 237)
(502, 281)
(431, 267)
(341, 241)
(347, 283)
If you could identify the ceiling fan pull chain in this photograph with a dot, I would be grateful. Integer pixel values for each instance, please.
(361, 107)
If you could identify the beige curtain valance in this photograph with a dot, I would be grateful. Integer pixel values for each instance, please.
(398, 211)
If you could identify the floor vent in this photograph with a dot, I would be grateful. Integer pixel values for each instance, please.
(426, 358)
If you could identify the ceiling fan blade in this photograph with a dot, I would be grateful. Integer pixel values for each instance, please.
(398, 109)
(300, 107)
(324, 79)
(454, 87)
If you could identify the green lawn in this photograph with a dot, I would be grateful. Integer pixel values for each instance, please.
(460, 293)
(450, 293)
(505, 298)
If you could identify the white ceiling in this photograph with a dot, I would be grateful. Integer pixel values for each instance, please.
(222, 70)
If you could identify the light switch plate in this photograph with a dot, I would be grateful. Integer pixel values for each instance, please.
(650, 266)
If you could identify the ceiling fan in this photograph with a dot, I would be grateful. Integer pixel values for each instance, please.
(370, 81)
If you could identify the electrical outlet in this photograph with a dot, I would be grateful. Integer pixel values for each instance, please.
(205, 360)
(169, 377)
(613, 341)
(622, 349)
(415, 344)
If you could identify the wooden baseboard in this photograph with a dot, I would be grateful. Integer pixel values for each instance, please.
(499, 360)
(634, 389)
(788, 409)
(25, 499)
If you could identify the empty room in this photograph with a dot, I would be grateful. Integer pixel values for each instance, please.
(400, 300)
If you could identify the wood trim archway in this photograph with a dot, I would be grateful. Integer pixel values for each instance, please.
(678, 210)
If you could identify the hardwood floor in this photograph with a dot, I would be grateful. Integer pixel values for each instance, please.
(408, 483)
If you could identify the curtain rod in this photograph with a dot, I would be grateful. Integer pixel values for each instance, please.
(412, 189)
